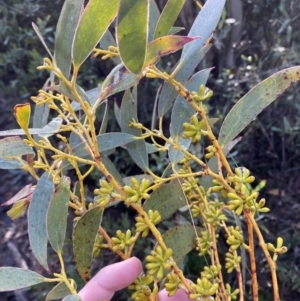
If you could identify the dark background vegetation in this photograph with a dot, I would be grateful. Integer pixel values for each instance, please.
(264, 38)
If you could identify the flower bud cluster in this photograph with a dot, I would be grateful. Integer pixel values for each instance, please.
(106, 194)
(279, 249)
(232, 261)
(218, 188)
(136, 193)
(141, 287)
(193, 129)
(214, 215)
(141, 226)
(173, 284)
(190, 184)
(204, 93)
(204, 243)
(211, 151)
(122, 240)
(230, 294)
(235, 238)
(159, 261)
(203, 289)
(211, 272)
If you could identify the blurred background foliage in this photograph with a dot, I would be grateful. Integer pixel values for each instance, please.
(254, 40)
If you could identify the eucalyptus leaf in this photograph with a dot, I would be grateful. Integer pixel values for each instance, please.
(132, 29)
(167, 199)
(37, 217)
(255, 101)
(175, 155)
(64, 34)
(57, 214)
(72, 298)
(204, 25)
(168, 17)
(94, 21)
(153, 19)
(14, 147)
(15, 278)
(136, 149)
(181, 239)
(59, 291)
(84, 235)
(11, 163)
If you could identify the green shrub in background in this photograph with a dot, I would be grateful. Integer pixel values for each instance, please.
(215, 194)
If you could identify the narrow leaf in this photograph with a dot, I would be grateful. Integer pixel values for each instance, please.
(118, 80)
(175, 155)
(181, 239)
(40, 116)
(175, 30)
(11, 164)
(136, 149)
(167, 199)
(48, 130)
(163, 46)
(23, 193)
(168, 17)
(203, 26)
(104, 119)
(14, 147)
(38, 33)
(182, 74)
(15, 278)
(92, 96)
(64, 34)
(37, 216)
(94, 21)
(22, 114)
(59, 291)
(132, 30)
(84, 235)
(153, 19)
(57, 214)
(112, 169)
(255, 101)
(117, 112)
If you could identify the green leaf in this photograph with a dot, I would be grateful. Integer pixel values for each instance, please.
(64, 34)
(167, 199)
(175, 30)
(163, 46)
(168, 17)
(58, 213)
(48, 130)
(40, 116)
(72, 298)
(84, 235)
(182, 74)
(175, 155)
(92, 96)
(204, 25)
(132, 33)
(117, 112)
(181, 239)
(112, 169)
(11, 164)
(118, 80)
(14, 147)
(151, 148)
(37, 217)
(38, 33)
(182, 110)
(104, 119)
(94, 21)
(59, 291)
(136, 149)
(255, 101)
(15, 278)
(206, 181)
(153, 19)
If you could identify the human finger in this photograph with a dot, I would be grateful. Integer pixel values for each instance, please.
(110, 279)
